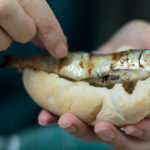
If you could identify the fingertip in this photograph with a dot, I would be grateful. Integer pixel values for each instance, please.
(59, 51)
(42, 119)
(143, 124)
(101, 124)
(63, 123)
(104, 131)
(46, 118)
(66, 120)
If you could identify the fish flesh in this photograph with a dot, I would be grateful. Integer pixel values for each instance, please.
(104, 70)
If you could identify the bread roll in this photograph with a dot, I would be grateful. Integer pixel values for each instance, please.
(89, 103)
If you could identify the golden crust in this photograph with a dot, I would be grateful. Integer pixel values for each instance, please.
(89, 103)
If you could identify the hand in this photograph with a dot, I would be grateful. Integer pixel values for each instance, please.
(23, 20)
(134, 137)
(135, 34)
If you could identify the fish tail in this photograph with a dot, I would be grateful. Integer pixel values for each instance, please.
(10, 61)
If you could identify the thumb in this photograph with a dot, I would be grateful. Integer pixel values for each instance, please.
(108, 48)
(135, 34)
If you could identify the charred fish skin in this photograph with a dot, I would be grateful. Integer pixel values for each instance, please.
(98, 69)
(128, 66)
(144, 61)
(106, 69)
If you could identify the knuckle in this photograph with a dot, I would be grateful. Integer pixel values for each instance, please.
(5, 8)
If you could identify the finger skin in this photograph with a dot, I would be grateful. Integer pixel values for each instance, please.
(103, 129)
(119, 140)
(5, 40)
(15, 21)
(49, 30)
(77, 128)
(45, 117)
(140, 130)
(134, 34)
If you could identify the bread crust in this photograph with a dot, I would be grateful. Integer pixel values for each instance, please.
(90, 104)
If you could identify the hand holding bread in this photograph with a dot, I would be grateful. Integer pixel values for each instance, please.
(133, 35)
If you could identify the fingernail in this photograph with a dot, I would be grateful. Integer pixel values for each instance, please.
(60, 50)
(134, 131)
(105, 134)
(68, 127)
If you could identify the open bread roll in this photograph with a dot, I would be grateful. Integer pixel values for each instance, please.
(89, 103)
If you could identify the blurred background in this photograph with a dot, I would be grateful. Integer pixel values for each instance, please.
(87, 24)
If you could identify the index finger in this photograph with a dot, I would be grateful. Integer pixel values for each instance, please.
(48, 28)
